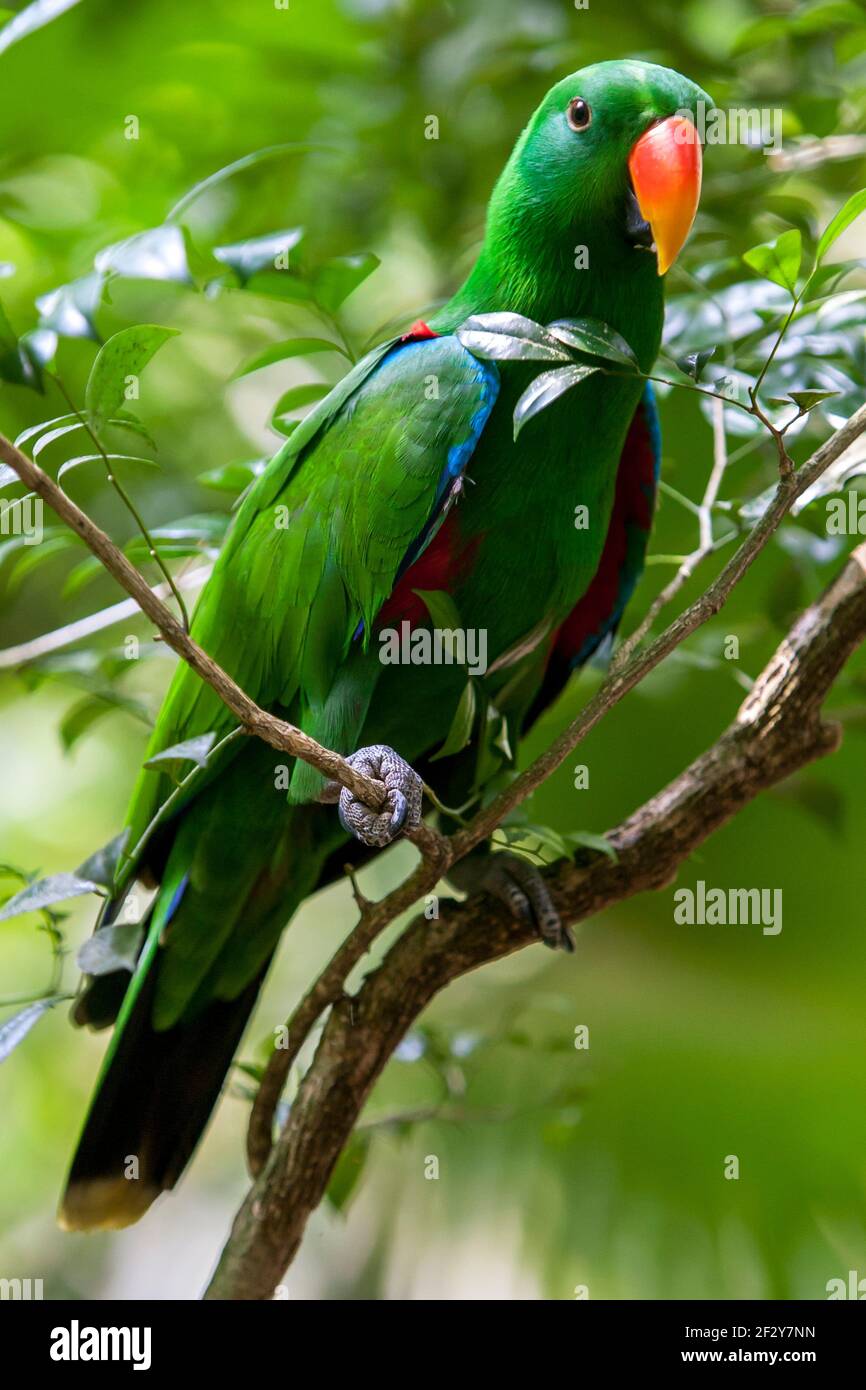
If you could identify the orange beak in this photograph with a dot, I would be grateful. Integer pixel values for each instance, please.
(665, 168)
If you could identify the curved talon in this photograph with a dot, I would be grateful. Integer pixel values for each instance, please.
(403, 794)
(520, 886)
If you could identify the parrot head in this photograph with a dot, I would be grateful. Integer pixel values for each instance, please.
(611, 162)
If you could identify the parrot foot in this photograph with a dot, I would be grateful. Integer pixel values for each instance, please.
(403, 793)
(520, 886)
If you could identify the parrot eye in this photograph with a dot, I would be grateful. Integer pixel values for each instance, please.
(578, 114)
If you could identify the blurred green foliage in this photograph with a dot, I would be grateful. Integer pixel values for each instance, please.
(558, 1166)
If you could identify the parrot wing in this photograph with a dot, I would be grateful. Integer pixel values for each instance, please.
(354, 496)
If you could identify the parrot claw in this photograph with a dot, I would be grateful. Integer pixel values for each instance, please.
(403, 793)
(520, 886)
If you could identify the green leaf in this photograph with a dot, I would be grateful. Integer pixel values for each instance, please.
(247, 258)
(546, 388)
(40, 346)
(45, 891)
(33, 430)
(778, 260)
(280, 284)
(849, 211)
(283, 425)
(207, 526)
(334, 281)
(51, 435)
(36, 16)
(759, 32)
(160, 253)
(589, 841)
(348, 1170)
(187, 536)
(233, 477)
(461, 725)
(496, 733)
(69, 310)
(100, 866)
(514, 840)
(247, 161)
(192, 750)
(510, 338)
(594, 337)
(807, 400)
(298, 396)
(15, 365)
(16, 1028)
(81, 717)
(692, 365)
(81, 575)
(9, 361)
(111, 948)
(11, 547)
(33, 557)
(124, 420)
(100, 458)
(825, 280)
(523, 647)
(295, 347)
(548, 837)
(441, 607)
(124, 355)
(251, 1069)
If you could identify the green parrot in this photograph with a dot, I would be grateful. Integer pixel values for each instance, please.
(405, 481)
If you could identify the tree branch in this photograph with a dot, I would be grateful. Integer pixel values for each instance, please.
(778, 729)
(628, 668)
(438, 854)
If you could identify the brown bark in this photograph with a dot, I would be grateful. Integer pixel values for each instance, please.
(778, 729)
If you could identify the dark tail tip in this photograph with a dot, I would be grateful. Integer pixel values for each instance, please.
(150, 1110)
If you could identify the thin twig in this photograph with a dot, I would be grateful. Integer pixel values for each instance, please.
(127, 501)
(720, 463)
(61, 637)
(278, 733)
(706, 547)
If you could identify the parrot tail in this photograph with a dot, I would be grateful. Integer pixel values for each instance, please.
(179, 1018)
(152, 1105)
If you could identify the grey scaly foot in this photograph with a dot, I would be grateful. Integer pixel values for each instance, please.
(403, 793)
(520, 886)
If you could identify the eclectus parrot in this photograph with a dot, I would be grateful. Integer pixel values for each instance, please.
(405, 480)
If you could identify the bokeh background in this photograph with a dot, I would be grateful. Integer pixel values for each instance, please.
(557, 1167)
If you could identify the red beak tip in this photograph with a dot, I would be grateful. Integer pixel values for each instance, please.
(665, 168)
